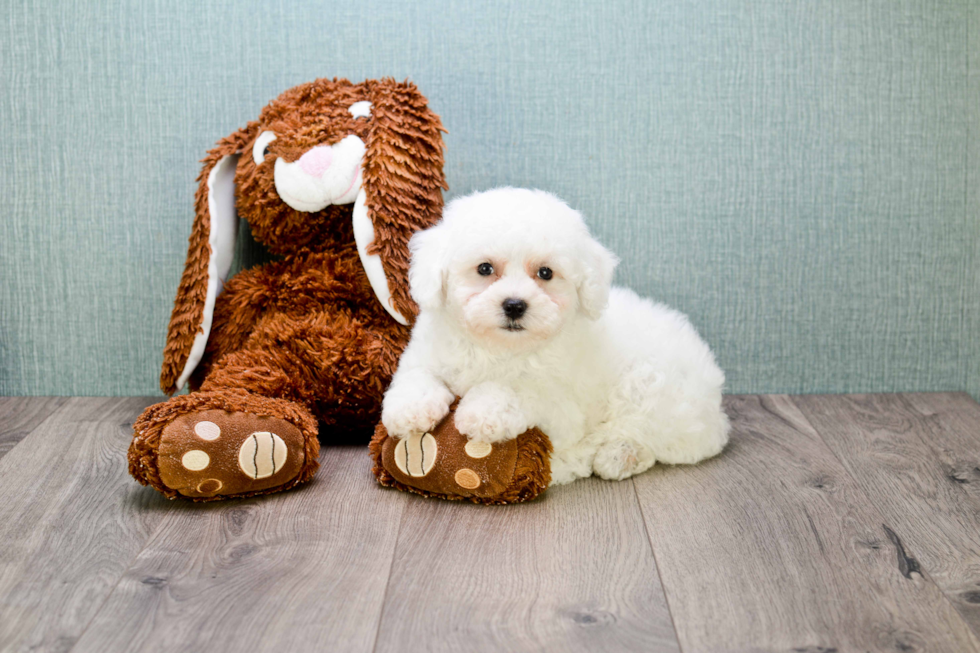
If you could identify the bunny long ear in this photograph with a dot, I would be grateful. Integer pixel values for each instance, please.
(402, 188)
(209, 256)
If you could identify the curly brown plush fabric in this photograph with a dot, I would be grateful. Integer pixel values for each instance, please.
(306, 330)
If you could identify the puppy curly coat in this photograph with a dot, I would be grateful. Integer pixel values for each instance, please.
(518, 317)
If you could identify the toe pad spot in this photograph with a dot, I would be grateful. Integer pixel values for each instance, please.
(478, 449)
(210, 486)
(467, 478)
(207, 430)
(195, 460)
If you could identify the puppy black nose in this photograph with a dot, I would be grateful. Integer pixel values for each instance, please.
(514, 308)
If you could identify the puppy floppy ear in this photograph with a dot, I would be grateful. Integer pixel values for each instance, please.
(427, 276)
(402, 188)
(209, 255)
(598, 264)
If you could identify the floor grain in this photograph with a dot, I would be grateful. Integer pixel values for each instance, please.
(21, 415)
(572, 571)
(831, 523)
(774, 547)
(71, 521)
(918, 458)
(299, 571)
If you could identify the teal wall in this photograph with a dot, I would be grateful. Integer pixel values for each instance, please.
(800, 177)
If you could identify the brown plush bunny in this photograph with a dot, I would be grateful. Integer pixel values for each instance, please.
(334, 178)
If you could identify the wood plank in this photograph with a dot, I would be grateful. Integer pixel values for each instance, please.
(952, 430)
(71, 521)
(20, 415)
(773, 547)
(571, 571)
(918, 458)
(300, 571)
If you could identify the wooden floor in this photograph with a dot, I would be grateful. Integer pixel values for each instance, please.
(831, 523)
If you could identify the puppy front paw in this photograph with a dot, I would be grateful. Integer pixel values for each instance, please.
(484, 416)
(404, 415)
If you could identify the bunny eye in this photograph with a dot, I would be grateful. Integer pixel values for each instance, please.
(261, 147)
(360, 109)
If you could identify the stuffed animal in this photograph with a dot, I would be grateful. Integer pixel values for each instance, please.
(333, 178)
(447, 465)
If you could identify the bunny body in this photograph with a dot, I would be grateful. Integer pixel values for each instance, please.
(334, 178)
(308, 328)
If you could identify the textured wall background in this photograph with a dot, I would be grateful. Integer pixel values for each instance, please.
(800, 177)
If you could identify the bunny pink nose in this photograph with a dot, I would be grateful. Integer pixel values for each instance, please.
(316, 160)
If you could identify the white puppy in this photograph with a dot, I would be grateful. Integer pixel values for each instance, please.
(519, 320)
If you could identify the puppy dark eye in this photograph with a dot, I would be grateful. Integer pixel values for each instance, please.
(545, 273)
(265, 152)
(484, 269)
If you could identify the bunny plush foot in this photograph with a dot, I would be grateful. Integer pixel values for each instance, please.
(445, 463)
(206, 446)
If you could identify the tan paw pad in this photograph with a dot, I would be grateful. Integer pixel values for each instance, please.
(415, 455)
(262, 454)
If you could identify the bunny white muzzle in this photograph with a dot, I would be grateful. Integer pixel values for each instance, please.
(324, 175)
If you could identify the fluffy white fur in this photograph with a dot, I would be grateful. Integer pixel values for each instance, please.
(616, 381)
